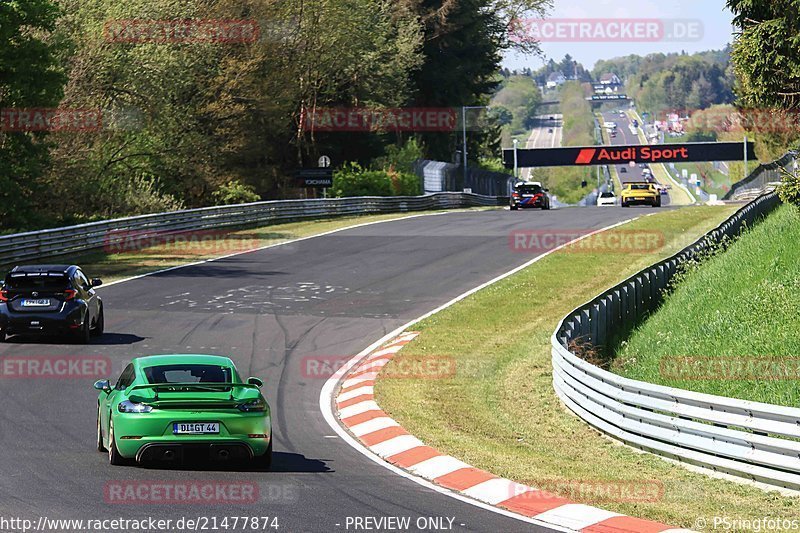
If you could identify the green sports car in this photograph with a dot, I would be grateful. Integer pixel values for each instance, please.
(171, 407)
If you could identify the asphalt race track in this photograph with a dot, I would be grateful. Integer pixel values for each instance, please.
(625, 137)
(269, 310)
(545, 133)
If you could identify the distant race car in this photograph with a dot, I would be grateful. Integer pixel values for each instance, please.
(606, 199)
(640, 193)
(529, 194)
(623, 170)
(48, 300)
(166, 407)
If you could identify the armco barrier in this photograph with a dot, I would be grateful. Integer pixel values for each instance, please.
(52, 242)
(747, 439)
(763, 179)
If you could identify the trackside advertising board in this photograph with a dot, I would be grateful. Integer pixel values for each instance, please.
(610, 155)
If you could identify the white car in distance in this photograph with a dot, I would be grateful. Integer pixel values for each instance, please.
(606, 199)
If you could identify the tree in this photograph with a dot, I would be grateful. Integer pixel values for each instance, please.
(766, 61)
(29, 78)
(766, 53)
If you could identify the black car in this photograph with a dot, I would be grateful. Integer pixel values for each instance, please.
(50, 299)
(530, 194)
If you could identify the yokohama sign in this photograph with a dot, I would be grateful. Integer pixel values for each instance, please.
(609, 155)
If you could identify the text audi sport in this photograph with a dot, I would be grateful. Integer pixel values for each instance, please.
(165, 407)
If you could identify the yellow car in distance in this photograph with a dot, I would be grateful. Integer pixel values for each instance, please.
(640, 193)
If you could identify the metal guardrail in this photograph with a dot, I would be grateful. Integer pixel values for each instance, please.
(60, 241)
(763, 179)
(747, 439)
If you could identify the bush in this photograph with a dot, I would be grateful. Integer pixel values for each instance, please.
(353, 180)
(401, 158)
(235, 192)
(789, 191)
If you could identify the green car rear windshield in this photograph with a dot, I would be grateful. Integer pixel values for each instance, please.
(191, 373)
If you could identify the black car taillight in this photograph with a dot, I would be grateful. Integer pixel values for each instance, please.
(70, 294)
(4, 296)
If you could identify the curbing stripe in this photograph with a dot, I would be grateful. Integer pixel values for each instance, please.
(496, 490)
(438, 466)
(413, 456)
(383, 435)
(352, 384)
(396, 445)
(626, 523)
(356, 400)
(464, 478)
(576, 516)
(363, 417)
(355, 393)
(371, 426)
(534, 503)
(360, 413)
(357, 409)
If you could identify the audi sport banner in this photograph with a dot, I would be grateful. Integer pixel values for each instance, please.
(622, 155)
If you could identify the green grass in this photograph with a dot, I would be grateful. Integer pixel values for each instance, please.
(114, 266)
(740, 304)
(500, 413)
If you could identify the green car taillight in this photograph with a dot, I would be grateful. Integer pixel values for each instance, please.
(253, 406)
(128, 406)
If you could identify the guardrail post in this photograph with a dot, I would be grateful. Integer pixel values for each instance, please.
(602, 323)
(584, 324)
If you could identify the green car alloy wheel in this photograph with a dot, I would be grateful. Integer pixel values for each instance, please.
(169, 407)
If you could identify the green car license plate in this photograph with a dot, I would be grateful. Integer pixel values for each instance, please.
(195, 428)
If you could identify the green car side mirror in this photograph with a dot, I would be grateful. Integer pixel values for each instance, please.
(102, 385)
(255, 381)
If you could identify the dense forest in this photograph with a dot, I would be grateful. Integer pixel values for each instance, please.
(194, 122)
(664, 82)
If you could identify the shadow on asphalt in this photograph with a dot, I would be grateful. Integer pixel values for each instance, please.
(107, 339)
(281, 462)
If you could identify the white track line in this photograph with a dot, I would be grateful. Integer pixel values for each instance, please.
(268, 246)
(326, 394)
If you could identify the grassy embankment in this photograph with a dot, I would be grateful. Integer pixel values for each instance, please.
(739, 305)
(500, 413)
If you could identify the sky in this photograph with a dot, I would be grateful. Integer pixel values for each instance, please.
(708, 20)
